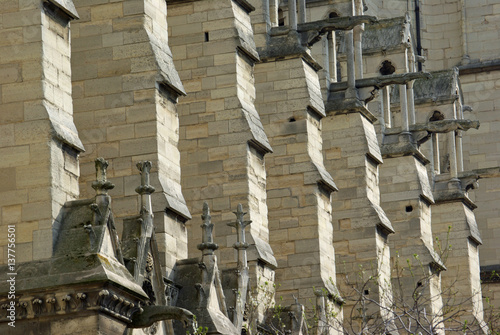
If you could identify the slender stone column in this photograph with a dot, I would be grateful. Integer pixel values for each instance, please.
(460, 115)
(460, 158)
(411, 102)
(386, 99)
(358, 35)
(327, 60)
(351, 71)
(435, 153)
(332, 56)
(452, 154)
(405, 125)
(273, 11)
(302, 11)
(292, 14)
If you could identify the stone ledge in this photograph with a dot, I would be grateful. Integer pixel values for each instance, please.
(64, 128)
(67, 7)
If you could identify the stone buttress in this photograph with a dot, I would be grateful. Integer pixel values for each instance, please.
(440, 129)
(39, 143)
(291, 106)
(352, 155)
(406, 194)
(407, 199)
(125, 89)
(222, 141)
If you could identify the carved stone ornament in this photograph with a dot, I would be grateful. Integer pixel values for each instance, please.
(109, 300)
(101, 185)
(207, 246)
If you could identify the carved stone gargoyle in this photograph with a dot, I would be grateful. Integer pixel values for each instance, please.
(367, 88)
(423, 131)
(469, 180)
(154, 313)
(313, 31)
(284, 41)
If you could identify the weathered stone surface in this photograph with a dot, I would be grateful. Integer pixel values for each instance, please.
(277, 127)
(384, 35)
(66, 6)
(441, 86)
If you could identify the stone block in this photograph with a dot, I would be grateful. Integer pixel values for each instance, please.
(24, 252)
(23, 18)
(114, 68)
(106, 11)
(11, 214)
(25, 91)
(9, 73)
(42, 239)
(102, 86)
(197, 131)
(138, 146)
(83, 43)
(14, 156)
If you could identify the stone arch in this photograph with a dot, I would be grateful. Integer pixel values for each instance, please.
(331, 13)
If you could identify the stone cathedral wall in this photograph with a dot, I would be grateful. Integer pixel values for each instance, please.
(232, 106)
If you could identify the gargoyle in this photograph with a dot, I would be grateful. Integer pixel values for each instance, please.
(470, 179)
(368, 87)
(381, 81)
(314, 30)
(423, 131)
(154, 313)
(445, 126)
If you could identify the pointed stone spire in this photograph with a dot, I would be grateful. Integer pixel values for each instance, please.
(207, 246)
(101, 185)
(145, 220)
(240, 225)
(242, 272)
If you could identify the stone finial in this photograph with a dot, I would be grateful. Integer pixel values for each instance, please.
(240, 225)
(145, 168)
(207, 246)
(242, 268)
(101, 185)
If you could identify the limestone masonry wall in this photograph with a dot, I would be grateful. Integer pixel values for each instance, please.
(39, 143)
(361, 144)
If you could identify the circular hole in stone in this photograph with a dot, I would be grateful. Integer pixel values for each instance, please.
(387, 68)
(409, 209)
(436, 116)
